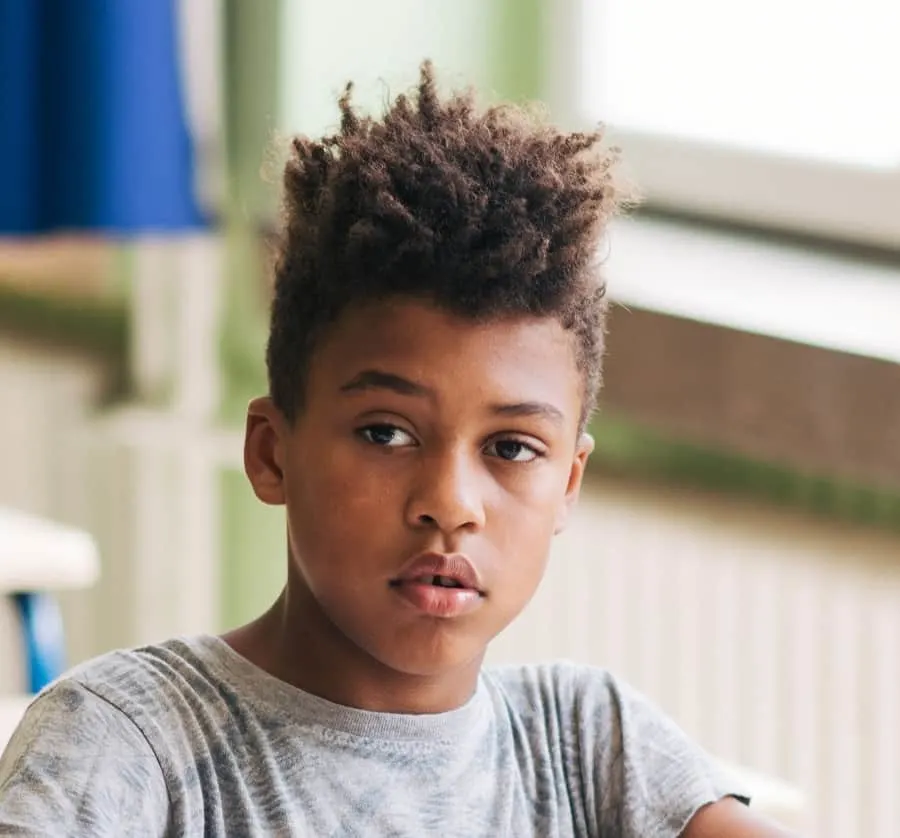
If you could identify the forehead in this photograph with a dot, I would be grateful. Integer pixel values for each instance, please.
(519, 358)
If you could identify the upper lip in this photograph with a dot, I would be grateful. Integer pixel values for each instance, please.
(454, 565)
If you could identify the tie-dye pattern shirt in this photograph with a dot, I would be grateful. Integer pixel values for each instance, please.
(187, 738)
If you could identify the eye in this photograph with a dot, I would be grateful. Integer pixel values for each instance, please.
(386, 436)
(513, 451)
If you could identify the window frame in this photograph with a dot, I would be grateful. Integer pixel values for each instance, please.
(810, 197)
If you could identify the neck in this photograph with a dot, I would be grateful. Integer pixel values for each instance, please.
(297, 643)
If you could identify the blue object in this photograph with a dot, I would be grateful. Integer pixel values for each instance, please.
(42, 630)
(93, 125)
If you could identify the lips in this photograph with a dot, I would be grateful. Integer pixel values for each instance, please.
(440, 585)
(447, 570)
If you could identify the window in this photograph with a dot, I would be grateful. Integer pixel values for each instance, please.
(781, 113)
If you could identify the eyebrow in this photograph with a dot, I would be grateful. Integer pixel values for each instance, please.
(380, 380)
(372, 379)
(543, 410)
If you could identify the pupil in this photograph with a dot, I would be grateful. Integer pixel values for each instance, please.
(509, 450)
(382, 434)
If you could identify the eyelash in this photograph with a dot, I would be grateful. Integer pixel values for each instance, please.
(365, 433)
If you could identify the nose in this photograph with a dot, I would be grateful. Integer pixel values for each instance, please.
(448, 494)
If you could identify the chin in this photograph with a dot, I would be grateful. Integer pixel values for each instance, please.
(430, 658)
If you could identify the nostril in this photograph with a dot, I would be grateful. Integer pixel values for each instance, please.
(427, 519)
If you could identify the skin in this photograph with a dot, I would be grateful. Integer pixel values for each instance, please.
(420, 431)
(730, 818)
(478, 451)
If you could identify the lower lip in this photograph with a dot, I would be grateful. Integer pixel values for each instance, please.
(437, 601)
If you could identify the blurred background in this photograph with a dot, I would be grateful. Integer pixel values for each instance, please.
(737, 554)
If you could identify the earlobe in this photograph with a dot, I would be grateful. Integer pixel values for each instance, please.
(576, 475)
(264, 451)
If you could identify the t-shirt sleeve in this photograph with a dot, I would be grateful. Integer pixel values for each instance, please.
(644, 777)
(77, 766)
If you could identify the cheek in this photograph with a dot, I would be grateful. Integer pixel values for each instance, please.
(525, 522)
(334, 504)
(535, 498)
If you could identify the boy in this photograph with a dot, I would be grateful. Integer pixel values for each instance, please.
(434, 355)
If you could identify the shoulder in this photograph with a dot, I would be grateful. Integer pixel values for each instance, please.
(163, 698)
(69, 716)
(119, 733)
(638, 773)
(153, 682)
(589, 700)
(572, 689)
(594, 715)
(179, 694)
(604, 714)
(113, 702)
(157, 663)
(77, 763)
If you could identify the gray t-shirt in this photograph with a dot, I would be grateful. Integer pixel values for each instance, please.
(189, 738)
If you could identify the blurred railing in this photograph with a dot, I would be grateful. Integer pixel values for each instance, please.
(774, 639)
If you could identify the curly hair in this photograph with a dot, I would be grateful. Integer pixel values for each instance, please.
(486, 214)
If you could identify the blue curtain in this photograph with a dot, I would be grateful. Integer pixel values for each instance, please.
(93, 127)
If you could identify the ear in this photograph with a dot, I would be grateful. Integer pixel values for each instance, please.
(576, 474)
(264, 450)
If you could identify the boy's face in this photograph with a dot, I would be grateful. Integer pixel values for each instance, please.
(423, 433)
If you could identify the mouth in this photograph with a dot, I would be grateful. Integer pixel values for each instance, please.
(436, 580)
(441, 570)
(440, 585)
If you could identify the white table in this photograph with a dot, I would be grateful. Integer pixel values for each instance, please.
(39, 555)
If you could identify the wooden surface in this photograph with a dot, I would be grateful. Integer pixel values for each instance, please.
(806, 407)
